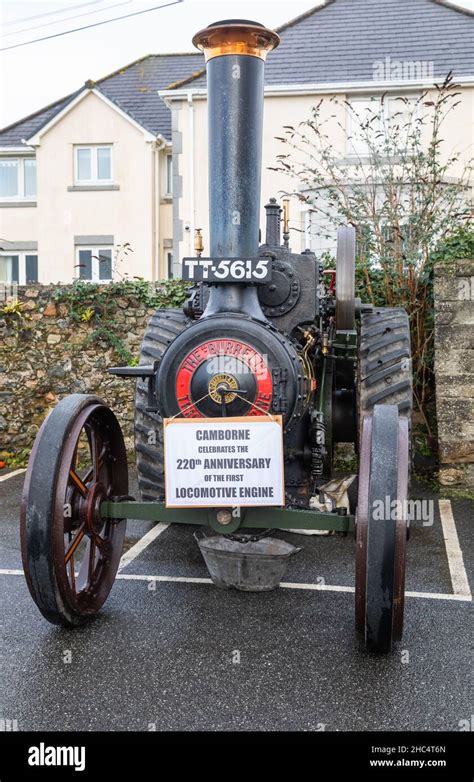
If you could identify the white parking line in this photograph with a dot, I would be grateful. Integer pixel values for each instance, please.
(440, 596)
(10, 572)
(171, 579)
(317, 587)
(141, 545)
(283, 585)
(289, 585)
(453, 550)
(461, 590)
(12, 474)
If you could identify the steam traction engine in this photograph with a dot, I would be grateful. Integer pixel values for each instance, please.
(265, 334)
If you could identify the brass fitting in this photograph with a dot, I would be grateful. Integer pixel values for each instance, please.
(198, 241)
(324, 344)
(286, 221)
(236, 37)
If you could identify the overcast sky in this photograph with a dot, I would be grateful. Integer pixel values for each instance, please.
(33, 76)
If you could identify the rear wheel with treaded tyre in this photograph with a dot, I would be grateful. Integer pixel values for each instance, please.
(381, 528)
(162, 328)
(384, 372)
(384, 408)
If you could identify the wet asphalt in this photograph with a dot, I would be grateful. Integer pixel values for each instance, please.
(188, 656)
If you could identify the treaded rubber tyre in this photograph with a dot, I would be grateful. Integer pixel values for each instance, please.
(380, 535)
(384, 362)
(162, 328)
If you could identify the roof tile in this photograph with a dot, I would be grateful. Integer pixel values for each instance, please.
(337, 42)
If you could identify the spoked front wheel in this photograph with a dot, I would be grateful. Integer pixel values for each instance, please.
(70, 554)
(381, 531)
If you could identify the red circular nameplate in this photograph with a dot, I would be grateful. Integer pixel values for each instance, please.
(217, 348)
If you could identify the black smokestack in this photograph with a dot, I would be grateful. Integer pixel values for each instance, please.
(235, 52)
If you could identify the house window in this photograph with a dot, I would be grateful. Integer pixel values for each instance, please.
(9, 178)
(321, 233)
(169, 263)
(17, 178)
(21, 268)
(169, 175)
(29, 177)
(93, 165)
(94, 264)
(369, 116)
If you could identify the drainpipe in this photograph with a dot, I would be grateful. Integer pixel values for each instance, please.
(158, 146)
(191, 173)
(158, 238)
(154, 209)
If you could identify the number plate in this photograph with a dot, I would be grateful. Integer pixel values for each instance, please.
(227, 269)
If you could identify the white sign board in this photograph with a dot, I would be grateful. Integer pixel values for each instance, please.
(224, 462)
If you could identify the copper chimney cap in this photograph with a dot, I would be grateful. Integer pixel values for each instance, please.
(236, 36)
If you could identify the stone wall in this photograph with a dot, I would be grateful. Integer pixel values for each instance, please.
(454, 369)
(54, 345)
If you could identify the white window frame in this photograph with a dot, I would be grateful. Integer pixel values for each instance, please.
(20, 179)
(321, 235)
(95, 263)
(21, 263)
(94, 167)
(352, 126)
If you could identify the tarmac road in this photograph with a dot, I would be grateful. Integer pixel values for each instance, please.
(185, 655)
